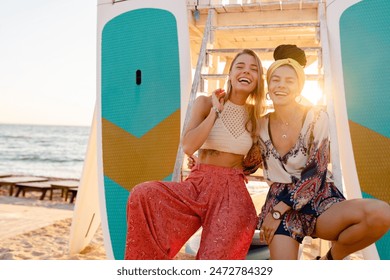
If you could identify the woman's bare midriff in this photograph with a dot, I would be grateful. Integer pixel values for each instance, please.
(219, 158)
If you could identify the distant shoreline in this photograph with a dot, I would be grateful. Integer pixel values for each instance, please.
(5, 174)
(62, 125)
(43, 150)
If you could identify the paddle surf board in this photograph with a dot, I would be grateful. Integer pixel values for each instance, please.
(144, 75)
(359, 39)
(86, 214)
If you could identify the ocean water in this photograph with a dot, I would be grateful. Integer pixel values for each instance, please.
(40, 150)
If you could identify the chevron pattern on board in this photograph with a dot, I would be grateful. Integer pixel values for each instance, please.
(372, 153)
(129, 160)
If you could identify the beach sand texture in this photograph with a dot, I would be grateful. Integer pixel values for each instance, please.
(33, 229)
(39, 229)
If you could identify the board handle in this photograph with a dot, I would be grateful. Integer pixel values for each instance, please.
(138, 77)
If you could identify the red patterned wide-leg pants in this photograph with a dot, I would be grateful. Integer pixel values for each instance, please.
(162, 216)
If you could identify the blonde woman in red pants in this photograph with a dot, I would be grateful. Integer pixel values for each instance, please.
(162, 216)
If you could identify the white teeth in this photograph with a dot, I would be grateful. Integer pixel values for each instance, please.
(244, 80)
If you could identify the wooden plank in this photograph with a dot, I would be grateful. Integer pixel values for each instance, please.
(73, 194)
(11, 181)
(67, 186)
(42, 187)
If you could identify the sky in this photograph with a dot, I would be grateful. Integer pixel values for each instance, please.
(48, 61)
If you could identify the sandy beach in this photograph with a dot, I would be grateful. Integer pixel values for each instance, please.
(39, 229)
(33, 229)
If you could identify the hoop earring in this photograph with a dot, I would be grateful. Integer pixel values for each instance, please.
(267, 96)
(298, 99)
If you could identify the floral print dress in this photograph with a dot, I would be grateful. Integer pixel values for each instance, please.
(300, 178)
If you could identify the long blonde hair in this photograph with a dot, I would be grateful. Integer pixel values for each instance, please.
(256, 99)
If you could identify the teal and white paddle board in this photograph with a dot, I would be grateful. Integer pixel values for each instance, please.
(359, 37)
(144, 75)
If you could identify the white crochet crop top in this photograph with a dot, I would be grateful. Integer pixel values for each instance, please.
(228, 133)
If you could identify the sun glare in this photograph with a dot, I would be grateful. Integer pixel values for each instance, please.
(313, 92)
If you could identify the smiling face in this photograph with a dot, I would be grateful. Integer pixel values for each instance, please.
(283, 85)
(244, 74)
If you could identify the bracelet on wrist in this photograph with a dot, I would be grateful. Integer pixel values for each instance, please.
(218, 112)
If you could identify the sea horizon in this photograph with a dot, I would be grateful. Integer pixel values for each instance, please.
(43, 149)
(38, 124)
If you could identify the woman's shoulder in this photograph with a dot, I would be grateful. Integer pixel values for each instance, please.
(319, 108)
(317, 112)
(202, 102)
(264, 125)
(317, 118)
(264, 118)
(266, 115)
(203, 99)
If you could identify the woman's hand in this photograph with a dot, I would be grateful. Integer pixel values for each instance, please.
(217, 98)
(192, 161)
(268, 228)
(252, 160)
